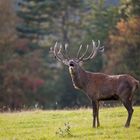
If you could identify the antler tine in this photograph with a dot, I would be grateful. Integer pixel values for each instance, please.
(92, 52)
(101, 49)
(95, 50)
(60, 49)
(66, 50)
(98, 48)
(51, 50)
(58, 53)
(66, 47)
(79, 51)
(84, 53)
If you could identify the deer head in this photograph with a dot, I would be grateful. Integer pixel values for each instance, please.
(61, 54)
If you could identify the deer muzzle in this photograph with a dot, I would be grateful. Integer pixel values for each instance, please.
(71, 64)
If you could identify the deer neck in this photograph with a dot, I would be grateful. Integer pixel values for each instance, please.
(79, 78)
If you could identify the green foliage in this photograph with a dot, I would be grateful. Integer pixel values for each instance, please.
(102, 19)
(42, 125)
(33, 19)
(130, 8)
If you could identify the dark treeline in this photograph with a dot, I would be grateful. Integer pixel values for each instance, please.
(30, 77)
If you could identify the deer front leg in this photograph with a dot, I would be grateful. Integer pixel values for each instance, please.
(95, 114)
(98, 122)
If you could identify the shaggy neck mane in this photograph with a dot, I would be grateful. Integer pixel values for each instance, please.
(79, 79)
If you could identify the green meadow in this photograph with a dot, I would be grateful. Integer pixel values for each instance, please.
(69, 125)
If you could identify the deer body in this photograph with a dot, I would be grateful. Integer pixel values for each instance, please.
(99, 86)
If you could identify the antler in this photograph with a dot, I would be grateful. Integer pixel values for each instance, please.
(60, 56)
(61, 53)
(93, 53)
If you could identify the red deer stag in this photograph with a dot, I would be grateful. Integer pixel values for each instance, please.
(98, 86)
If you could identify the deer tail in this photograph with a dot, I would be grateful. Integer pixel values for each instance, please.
(136, 85)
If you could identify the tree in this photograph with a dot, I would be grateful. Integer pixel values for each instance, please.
(125, 38)
(129, 8)
(125, 50)
(20, 75)
(7, 30)
(100, 18)
(33, 23)
(7, 40)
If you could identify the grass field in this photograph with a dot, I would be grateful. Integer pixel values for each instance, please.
(71, 125)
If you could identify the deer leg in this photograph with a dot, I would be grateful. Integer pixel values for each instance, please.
(128, 106)
(98, 122)
(125, 91)
(94, 108)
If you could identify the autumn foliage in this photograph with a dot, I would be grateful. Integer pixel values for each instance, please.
(127, 32)
(125, 42)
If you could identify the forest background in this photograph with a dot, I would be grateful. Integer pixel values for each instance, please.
(30, 77)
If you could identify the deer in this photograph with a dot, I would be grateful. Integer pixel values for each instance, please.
(97, 86)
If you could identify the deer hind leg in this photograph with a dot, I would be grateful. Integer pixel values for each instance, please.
(128, 106)
(95, 108)
(125, 93)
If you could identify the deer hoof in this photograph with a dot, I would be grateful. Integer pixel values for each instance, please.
(126, 126)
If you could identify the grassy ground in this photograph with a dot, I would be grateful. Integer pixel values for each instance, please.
(72, 124)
